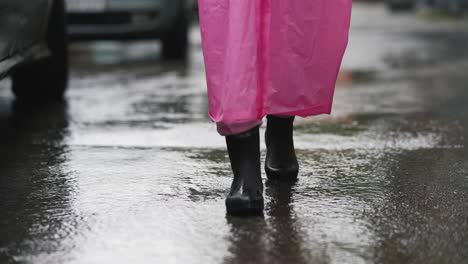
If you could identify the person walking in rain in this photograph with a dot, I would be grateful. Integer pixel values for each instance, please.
(273, 58)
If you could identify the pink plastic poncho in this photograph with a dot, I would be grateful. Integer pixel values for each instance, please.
(278, 57)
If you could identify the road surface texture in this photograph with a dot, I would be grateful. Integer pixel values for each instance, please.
(131, 170)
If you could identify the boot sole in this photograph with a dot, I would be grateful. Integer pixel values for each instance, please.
(242, 207)
(285, 176)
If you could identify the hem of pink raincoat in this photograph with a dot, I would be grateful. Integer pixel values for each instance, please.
(313, 111)
(232, 128)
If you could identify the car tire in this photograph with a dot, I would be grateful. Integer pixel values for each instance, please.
(45, 80)
(176, 42)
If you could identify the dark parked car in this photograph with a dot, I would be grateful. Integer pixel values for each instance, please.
(455, 7)
(401, 4)
(167, 20)
(33, 48)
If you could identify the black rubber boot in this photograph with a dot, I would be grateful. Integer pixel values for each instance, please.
(281, 161)
(246, 195)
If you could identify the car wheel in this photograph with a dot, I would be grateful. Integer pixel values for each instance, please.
(175, 43)
(46, 80)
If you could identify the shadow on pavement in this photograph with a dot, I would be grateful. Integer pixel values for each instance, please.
(34, 192)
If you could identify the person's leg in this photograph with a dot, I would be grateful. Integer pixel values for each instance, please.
(281, 161)
(246, 194)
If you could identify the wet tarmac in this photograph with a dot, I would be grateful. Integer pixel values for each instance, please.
(130, 169)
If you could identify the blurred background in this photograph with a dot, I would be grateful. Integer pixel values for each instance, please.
(129, 167)
(452, 7)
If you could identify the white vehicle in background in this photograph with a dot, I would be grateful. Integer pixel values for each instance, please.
(167, 20)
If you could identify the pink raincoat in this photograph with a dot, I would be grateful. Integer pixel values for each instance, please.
(278, 57)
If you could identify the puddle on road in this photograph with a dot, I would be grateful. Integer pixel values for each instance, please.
(367, 202)
(168, 205)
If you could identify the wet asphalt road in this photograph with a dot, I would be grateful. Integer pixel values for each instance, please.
(130, 170)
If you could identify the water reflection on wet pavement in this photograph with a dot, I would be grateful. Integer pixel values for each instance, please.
(131, 170)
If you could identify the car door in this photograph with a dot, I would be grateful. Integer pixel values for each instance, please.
(6, 26)
(22, 24)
